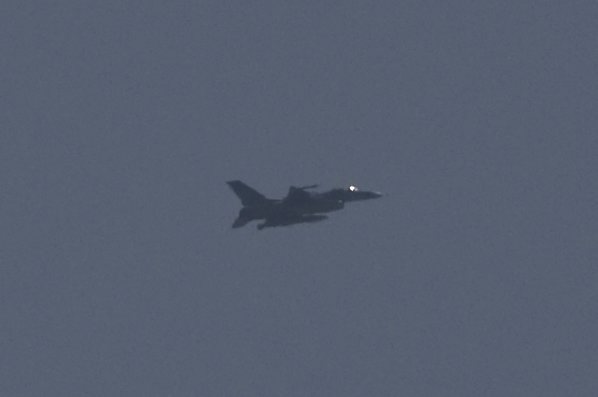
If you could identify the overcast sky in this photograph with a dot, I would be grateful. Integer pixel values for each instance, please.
(475, 274)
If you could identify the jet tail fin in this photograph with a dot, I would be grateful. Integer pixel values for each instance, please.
(249, 197)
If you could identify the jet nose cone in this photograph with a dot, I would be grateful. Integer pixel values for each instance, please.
(373, 195)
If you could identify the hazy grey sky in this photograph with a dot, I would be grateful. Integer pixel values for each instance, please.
(474, 276)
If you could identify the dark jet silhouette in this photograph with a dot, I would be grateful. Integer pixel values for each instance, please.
(299, 206)
(296, 207)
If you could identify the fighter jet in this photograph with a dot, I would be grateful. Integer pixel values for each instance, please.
(294, 208)
(299, 206)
